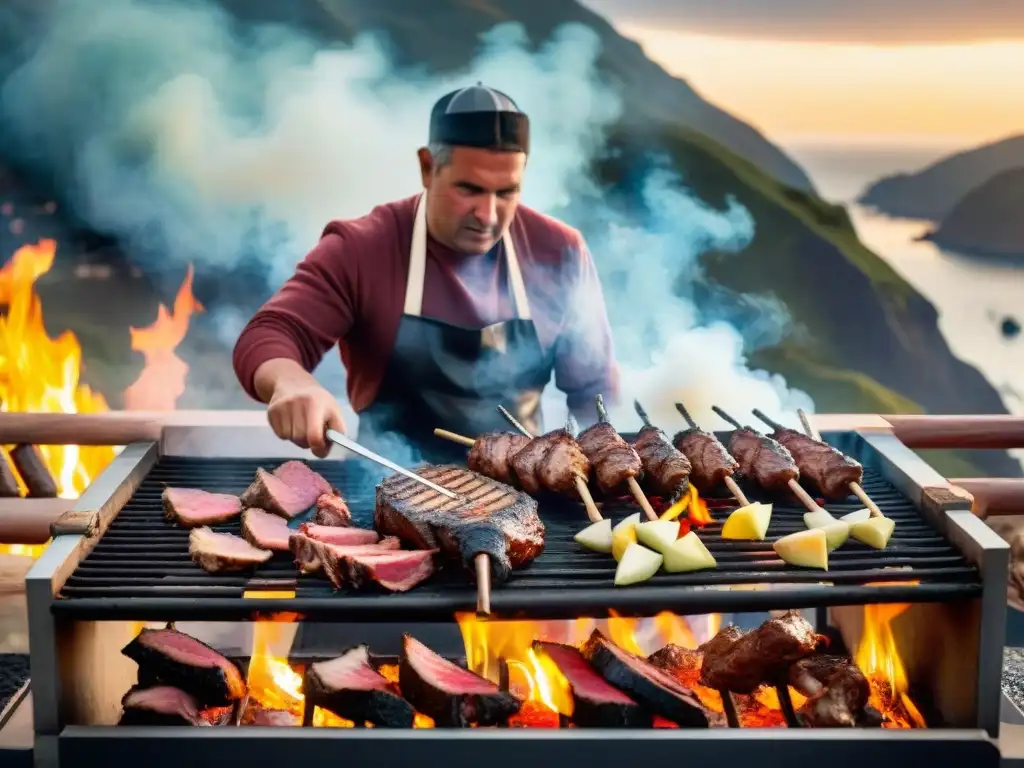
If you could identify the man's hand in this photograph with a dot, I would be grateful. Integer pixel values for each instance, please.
(302, 412)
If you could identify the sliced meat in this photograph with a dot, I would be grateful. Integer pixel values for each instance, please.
(190, 507)
(762, 655)
(666, 470)
(351, 688)
(332, 511)
(265, 531)
(492, 454)
(454, 697)
(160, 705)
(397, 571)
(310, 554)
(178, 660)
(527, 461)
(299, 476)
(613, 459)
(763, 460)
(217, 552)
(562, 463)
(709, 459)
(653, 689)
(275, 495)
(827, 468)
(330, 534)
(487, 517)
(596, 704)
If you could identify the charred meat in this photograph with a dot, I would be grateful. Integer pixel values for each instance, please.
(762, 459)
(217, 552)
(613, 459)
(359, 566)
(710, 462)
(551, 462)
(310, 553)
(265, 531)
(288, 491)
(830, 470)
(181, 661)
(346, 537)
(190, 507)
(841, 696)
(159, 705)
(487, 518)
(351, 688)
(454, 697)
(492, 453)
(332, 511)
(762, 655)
(666, 470)
(596, 704)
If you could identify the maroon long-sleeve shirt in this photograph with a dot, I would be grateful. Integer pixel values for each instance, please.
(350, 290)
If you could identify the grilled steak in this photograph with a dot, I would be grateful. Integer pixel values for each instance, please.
(332, 511)
(160, 705)
(488, 517)
(666, 470)
(454, 697)
(181, 661)
(654, 690)
(841, 702)
(596, 704)
(216, 552)
(350, 688)
(289, 490)
(190, 507)
(830, 470)
(551, 462)
(264, 530)
(383, 563)
(492, 453)
(346, 537)
(614, 460)
(759, 656)
(312, 555)
(763, 460)
(710, 461)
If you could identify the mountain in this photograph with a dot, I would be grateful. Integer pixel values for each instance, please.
(863, 340)
(988, 221)
(932, 192)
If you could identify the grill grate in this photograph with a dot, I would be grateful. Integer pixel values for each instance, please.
(140, 569)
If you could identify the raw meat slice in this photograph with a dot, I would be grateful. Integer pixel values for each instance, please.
(179, 660)
(264, 530)
(397, 571)
(596, 704)
(310, 553)
(346, 537)
(190, 507)
(273, 494)
(332, 510)
(351, 688)
(160, 705)
(454, 697)
(300, 477)
(217, 552)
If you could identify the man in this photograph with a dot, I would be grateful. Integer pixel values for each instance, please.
(444, 305)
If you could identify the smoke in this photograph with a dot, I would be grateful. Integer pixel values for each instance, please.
(196, 142)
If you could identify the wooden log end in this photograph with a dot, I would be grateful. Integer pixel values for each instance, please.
(28, 460)
(76, 523)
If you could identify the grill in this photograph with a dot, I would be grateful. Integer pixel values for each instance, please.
(141, 568)
(117, 562)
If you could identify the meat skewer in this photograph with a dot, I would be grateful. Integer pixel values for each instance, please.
(710, 459)
(482, 562)
(615, 461)
(766, 460)
(537, 451)
(666, 469)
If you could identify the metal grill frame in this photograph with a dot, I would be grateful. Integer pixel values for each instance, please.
(925, 488)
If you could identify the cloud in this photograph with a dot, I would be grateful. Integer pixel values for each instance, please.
(888, 22)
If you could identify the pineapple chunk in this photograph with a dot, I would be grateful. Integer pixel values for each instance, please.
(808, 549)
(818, 519)
(637, 564)
(628, 522)
(596, 537)
(688, 554)
(622, 540)
(749, 522)
(836, 534)
(857, 517)
(658, 534)
(874, 532)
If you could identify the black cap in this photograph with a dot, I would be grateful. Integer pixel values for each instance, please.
(479, 116)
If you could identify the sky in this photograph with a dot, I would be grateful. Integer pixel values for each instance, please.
(943, 71)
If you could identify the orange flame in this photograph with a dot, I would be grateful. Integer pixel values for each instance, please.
(878, 658)
(162, 380)
(694, 505)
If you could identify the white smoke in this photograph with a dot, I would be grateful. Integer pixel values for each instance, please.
(200, 144)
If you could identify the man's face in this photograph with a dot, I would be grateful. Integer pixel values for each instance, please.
(473, 198)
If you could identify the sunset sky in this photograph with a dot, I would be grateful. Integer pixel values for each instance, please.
(953, 71)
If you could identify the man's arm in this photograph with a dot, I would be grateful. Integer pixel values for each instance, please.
(585, 363)
(289, 335)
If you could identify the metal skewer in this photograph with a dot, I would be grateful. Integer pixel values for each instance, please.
(794, 486)
(581, 485)
(481, 562)
(728, 480)
(858, 491)
(634, 486)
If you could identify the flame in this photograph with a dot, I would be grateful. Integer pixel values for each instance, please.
(162, 380)
(694, 505)
(40, 374)
(878, 658)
